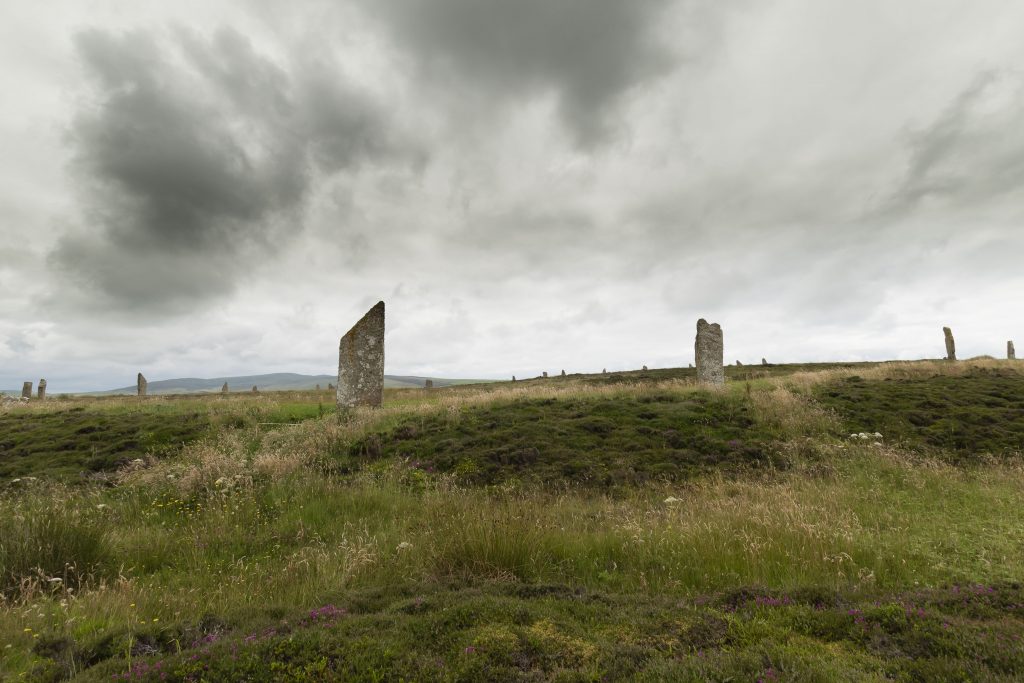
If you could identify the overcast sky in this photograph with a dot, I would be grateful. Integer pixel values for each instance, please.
(214, 188)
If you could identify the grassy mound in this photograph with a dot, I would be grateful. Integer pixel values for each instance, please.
(65, 443)
(71, 438)
(602, 440)
(979, 412)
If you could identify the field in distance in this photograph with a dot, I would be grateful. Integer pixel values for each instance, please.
(814, 522)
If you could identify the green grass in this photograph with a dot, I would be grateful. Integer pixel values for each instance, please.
(639, 543)
(604, 440)
(514, 632)
(70, 439)
(69, 442)
(963, 416)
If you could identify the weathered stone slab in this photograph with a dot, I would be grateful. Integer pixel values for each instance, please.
(41, 391)
(950, 344)
(739, 364)
(764, 362)
(255, 390)
(709, 353)
(644, 368)
(513, 378)
(1011, 353)
(361, 362)
(140, 385)
(429, 384)
(318, 387)
(545, 373)
(26, 390)
(563, 373)
(224, 388)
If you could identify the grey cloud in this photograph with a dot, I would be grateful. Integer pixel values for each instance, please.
(972, 151)
(196, 157)
(588, 53)
(19, 343)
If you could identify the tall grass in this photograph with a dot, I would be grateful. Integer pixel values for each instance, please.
(246, 522)
(877, 520)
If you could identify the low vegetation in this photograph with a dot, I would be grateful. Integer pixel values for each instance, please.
(77, 438)
(569, 529)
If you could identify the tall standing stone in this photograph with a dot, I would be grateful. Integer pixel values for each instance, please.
(41, 391)
(318, 387)
(950, 344)
(429, 384)
(545, 373)
(255, 390)
(26, 390)
(361, 362)
(224, 388)
(140, 385)
(644, 368)
(513, 378)
(764, 362)
(1011, 354)
(709, 353)
(563, 373)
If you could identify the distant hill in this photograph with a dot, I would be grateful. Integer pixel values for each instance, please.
(278, 381)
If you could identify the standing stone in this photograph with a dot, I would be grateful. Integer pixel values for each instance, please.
(645, 368)
(604, 371)
(330, 387)
(689, 365)
(513, 378)
(545, 374)
(1011, 354)
(255, 390)
(429, 384)
(318, 387)
(224, 388)
(708, 350)
(41, 392)
(764, 362)
(563, 373)
(739, 364)
(361, 362)
(950, 344)
(26, 390)
(140, 385)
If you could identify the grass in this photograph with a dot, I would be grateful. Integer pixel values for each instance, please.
(968, 415)
(602, 440)
(369, 550)
(75, 438)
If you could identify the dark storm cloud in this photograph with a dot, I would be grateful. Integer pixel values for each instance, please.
(974, 149)
(588, 53)
(195, 156)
